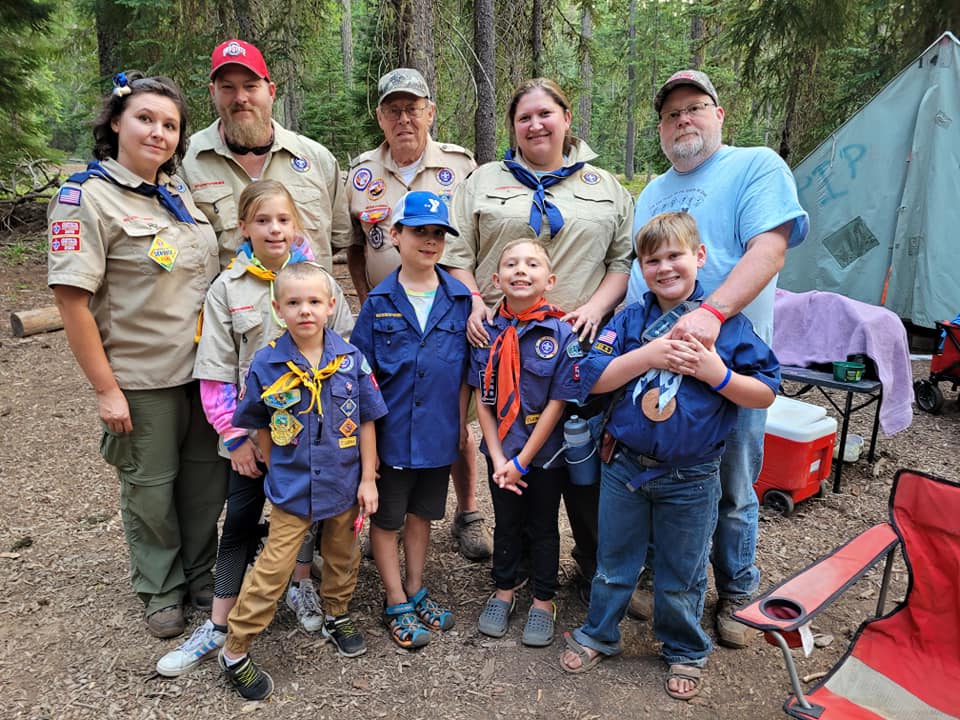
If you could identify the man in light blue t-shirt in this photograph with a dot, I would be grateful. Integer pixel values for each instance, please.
(745, 203)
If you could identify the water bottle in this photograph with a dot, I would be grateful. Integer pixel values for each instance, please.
(580, 452)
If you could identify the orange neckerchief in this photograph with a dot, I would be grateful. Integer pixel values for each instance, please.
(507, 361)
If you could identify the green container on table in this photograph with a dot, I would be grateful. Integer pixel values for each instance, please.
(848, 371)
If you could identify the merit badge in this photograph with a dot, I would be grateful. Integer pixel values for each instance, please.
(348, 427)
(346, 442)
(445, 176)
(284, 427)
(649, 405)
(349, 407)
(300, 164)
(362, 178)
(162, 253)
(374, 214)
(281, 400)
(488, 395)
(69, 196)
(376, 237)
(590, 177)
(346, 365)
(574, 350)
(376, 189)
(546, 347)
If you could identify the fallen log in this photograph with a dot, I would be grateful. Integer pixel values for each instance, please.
(31, 322)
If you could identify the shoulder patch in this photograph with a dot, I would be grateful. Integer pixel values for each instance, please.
(64, 236)
(300, 164)
(362, 178)
(69, 196)
(574, 350)
(346, 365)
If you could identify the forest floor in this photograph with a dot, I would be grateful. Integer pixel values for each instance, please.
(73, 643)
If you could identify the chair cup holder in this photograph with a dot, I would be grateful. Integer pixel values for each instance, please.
(783, 609)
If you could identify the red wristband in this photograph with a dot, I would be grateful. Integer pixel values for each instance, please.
(713, 311)
(476, 294)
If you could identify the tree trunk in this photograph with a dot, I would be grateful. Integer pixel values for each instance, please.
(415, 39)
(697, 30)
(585, 103)
(484, 73)
(111, 25)
(631, 94)
(346, 45)
(536, 37)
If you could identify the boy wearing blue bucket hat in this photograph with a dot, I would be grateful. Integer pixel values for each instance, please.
(412, 330)
(523, 381)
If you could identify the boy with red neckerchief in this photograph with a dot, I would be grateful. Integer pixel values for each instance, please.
(523, 381)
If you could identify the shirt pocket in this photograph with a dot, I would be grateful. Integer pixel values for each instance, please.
(505, 211)
(133, 252)
(219, 206)
(451, 342)
(393, 344)
(314, 206)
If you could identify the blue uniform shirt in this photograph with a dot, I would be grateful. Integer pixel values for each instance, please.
(703, 418)
(420, 372)
(549, 350)
(317, 475)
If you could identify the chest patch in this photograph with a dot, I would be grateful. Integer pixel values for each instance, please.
(162, 253)
(362, 178)
(546, 347)
(445, 176)
(300, 164)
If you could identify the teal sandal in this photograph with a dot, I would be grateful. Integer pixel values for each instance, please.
(405, 627)
(430, 613)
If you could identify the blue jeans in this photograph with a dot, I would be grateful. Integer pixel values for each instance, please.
(735, 540)
(680, 511)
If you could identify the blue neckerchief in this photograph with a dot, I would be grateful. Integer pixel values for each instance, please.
(296, 253)
(541, 206)
(170, 202)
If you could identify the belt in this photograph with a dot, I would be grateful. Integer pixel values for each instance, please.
(647, 461)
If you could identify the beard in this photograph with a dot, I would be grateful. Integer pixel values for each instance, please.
(694, 144)
(250, 132)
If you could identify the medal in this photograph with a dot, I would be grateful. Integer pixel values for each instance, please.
(284, 427)
(649, 403)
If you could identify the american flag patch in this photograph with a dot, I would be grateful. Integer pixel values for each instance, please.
(607, 336)
(69, 196)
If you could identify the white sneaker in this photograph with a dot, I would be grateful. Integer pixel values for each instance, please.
(202, 645)
(303, 600)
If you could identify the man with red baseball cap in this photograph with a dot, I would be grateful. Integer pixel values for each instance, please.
(246, 144)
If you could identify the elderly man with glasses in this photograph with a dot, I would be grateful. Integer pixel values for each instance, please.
(746, 207)
(409, 159)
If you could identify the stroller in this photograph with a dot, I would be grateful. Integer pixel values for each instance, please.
(944, 366)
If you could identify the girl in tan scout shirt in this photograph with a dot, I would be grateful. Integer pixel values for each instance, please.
(130, 261)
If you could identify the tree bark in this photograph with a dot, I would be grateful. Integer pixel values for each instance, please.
(415, 39)
(346, 45)
(629, 144)
(111, 25)
(697, 30)
(585, 102)
(484, 72)
(536, 38)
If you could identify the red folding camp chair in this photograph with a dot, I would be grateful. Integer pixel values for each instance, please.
(901, 666)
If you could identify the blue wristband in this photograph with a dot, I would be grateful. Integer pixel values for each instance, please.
(723, 383)
(516, 463)
(233, 443)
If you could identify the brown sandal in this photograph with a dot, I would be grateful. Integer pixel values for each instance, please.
(586, 661)
(684, 672)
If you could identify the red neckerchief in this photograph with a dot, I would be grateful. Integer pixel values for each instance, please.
(507, 361)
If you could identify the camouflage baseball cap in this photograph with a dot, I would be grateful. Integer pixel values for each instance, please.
(402, 80)
(695, 78)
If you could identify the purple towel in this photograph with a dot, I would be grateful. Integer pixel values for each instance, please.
(823, 327)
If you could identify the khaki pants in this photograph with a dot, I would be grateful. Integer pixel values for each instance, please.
(172, 489)
(265, 583)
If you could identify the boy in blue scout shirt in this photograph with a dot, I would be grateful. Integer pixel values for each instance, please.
(412, 328)
(668, 428)
(313, 400)
(524, 380)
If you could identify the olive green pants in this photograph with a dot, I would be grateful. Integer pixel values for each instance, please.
(172, 488)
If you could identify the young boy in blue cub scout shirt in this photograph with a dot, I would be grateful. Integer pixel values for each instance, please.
(679, 404)
(412, 328)
(313, 400)
(523, 381)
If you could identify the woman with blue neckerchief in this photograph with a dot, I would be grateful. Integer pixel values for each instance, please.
(130, 260)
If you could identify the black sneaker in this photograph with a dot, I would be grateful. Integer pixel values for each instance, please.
(342, 633)
(250, 681)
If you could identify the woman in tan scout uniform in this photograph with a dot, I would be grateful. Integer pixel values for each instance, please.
(545, 188)
(130, 261)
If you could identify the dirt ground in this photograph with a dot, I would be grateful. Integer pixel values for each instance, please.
(73, 643)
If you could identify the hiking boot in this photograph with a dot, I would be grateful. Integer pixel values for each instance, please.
(250, 681)
(202, 645)
(302, 599)
(166, 622)
(345, 636)
(202, 598)
(641, 601)
(730, 633)
(470, 529)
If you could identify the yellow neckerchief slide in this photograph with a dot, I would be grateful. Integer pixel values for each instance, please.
(314, 382)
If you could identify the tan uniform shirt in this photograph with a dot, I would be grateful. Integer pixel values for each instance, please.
(102, 237)
(492, 208)
(238, 320)
(309, 171)
(375, 185)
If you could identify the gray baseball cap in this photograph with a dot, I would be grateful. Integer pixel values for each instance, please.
(402, 80)
(695, 78)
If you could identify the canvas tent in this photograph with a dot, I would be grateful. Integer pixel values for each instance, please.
(883, 193)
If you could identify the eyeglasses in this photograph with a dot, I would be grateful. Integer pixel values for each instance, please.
(691, 111)
(395, 112)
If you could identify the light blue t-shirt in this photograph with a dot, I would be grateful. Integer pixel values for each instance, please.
(734, 196)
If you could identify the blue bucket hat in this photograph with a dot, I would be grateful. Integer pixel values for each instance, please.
(423, 208)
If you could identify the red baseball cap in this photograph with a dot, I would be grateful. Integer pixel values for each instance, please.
(238, 52)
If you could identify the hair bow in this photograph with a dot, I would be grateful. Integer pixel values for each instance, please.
(121, 86)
